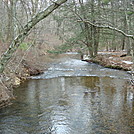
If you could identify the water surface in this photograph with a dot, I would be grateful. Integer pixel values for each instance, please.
(56, 103)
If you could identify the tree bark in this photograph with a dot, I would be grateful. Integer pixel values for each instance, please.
(24, 33)
(87, 30)
(108, 27)
(10, 27)
(96, 40)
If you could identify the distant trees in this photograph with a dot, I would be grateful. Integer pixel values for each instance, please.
(110, 22)
(86, 25)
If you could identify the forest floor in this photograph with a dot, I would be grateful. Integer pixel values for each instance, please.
(115, 60)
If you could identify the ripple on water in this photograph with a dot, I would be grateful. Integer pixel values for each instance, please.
(59, 105)
(75, 67)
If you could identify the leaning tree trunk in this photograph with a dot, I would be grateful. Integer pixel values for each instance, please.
(25, 31)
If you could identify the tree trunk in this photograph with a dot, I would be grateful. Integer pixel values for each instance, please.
(10, 27)
(123, 42)
(133, 60)
(95, 32)
(125, 30)
(128, 47)
(89, 39)
(96, 40)
(24, 33)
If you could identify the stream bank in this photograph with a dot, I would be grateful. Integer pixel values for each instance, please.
(55, 101)
(115, 60)
(14, 76)
(27, 68)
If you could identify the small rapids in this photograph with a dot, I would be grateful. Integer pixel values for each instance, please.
(76, 67)
(71, 97)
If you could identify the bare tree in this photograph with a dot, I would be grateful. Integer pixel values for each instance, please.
(25, 31)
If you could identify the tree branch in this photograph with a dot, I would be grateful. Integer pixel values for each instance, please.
(108, 27)
(25, 31)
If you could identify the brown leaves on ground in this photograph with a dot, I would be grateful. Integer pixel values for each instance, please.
(117, 60)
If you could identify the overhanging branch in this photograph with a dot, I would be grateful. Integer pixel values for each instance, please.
(108, 27)
(25, 31)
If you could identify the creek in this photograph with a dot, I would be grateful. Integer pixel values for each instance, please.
(71, 97)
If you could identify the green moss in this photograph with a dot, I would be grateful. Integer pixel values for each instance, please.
(54, 52)
(24, 46)
(130, 12)
(106, 1)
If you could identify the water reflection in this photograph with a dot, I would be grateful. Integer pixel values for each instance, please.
(59, 106)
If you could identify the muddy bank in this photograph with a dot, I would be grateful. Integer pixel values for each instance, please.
(10, 80)
(72, 97)
(115, 60)
(29, 59)
(14, 75)
(28, 67)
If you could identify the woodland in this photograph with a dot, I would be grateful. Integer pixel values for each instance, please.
(30, 29)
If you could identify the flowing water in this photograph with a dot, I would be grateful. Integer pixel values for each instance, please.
(72, 97)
